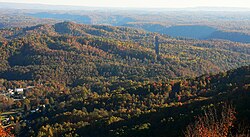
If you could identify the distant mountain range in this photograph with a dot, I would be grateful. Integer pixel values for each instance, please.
(208, 23)
(36, 6)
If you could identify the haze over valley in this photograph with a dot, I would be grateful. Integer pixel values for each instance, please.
(146, 71)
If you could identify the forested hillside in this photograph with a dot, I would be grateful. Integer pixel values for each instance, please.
(76, 54)
(151, 109)
(131, 108)
(205, 24)
(126, 68)
(202, 32)
(69, 79)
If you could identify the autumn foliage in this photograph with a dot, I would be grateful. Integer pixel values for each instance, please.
(5, 133)
(213, 124)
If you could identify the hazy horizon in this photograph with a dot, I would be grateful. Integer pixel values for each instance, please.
(141, 4)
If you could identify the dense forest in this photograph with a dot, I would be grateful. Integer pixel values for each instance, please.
(75, 54)
(98, 80)
(165, 108)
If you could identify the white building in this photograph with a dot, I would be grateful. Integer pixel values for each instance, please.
(19, 90)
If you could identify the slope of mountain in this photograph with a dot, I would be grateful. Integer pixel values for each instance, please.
(203, 32)
(144, 109)
(15, 18)
(233, 36)
(67, 79)
(207, 24)
(193, 30)
(97, 80)
(74, 53)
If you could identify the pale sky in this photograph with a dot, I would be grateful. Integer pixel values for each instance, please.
(143, 3)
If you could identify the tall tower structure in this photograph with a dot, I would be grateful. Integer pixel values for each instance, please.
(157, 50)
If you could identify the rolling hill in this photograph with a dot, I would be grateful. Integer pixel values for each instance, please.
(98, 80)
(74, 54)
(148, 109)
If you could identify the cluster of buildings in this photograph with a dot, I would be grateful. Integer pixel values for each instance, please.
(17, 93)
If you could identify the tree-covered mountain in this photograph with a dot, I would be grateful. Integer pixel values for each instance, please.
(133, 108)
(205, 24)
(75, 54)
(69, 79)
(202, 32)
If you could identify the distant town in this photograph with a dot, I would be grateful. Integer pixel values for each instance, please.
(8, 98)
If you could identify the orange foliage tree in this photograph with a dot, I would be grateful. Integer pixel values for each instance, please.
(5, 133)
(212, 124)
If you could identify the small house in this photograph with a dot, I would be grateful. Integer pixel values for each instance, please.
(19, 90)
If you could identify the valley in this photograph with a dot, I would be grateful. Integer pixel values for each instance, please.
(70, 71)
